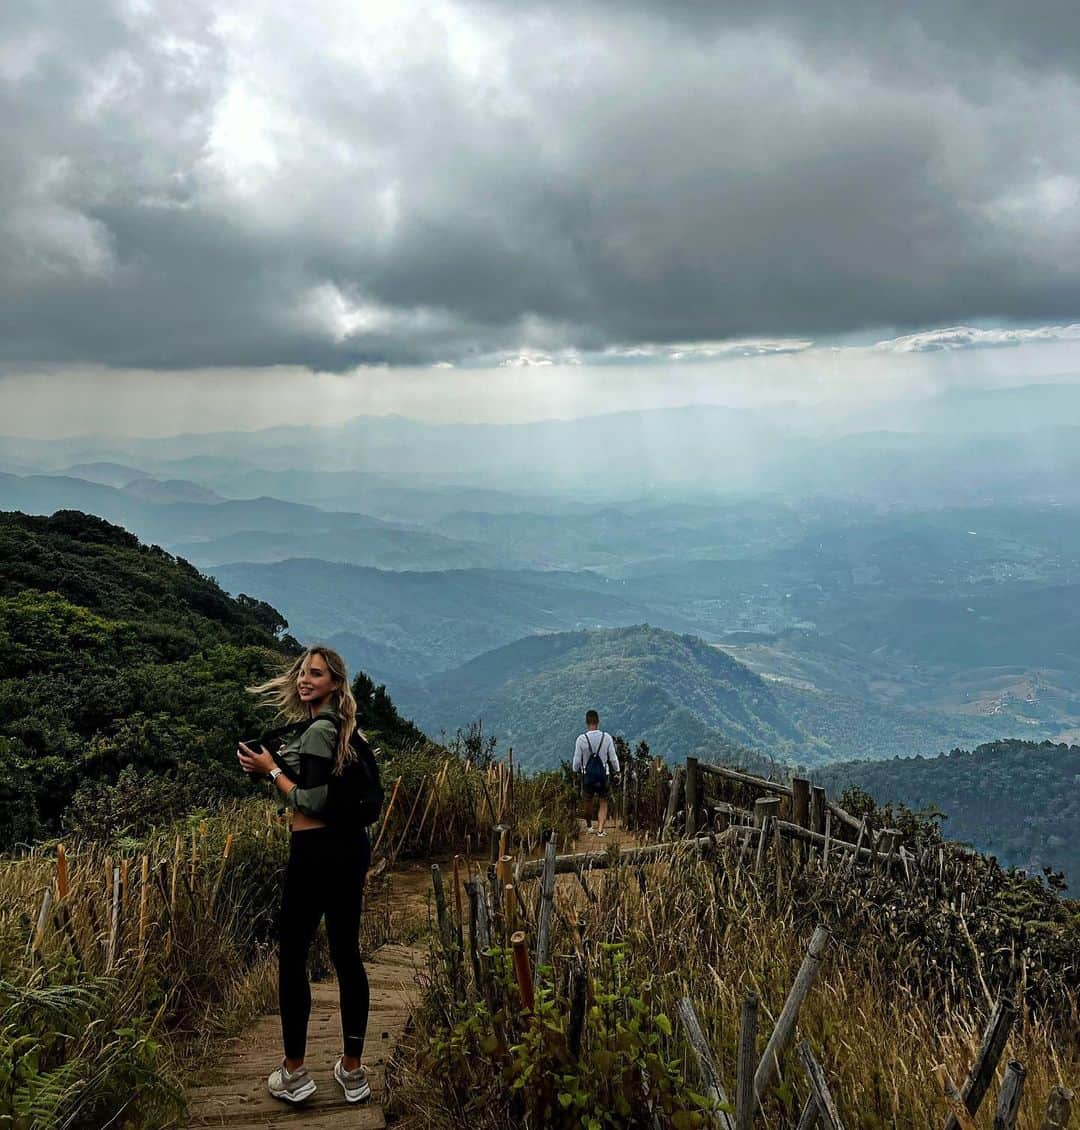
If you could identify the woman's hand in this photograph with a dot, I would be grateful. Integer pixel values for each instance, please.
(252, 762)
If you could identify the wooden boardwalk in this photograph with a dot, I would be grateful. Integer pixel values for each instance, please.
(235, 1095)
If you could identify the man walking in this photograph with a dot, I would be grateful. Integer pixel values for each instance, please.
(595, 759)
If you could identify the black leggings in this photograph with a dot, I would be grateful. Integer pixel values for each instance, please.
(325, 875)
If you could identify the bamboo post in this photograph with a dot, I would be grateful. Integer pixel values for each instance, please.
(1012, 1089)
(221, 869)
(386, 818)
(960, 1116)
(522, 970)
(125, 867)
(693, 796)
(504, 869)
(460, 925)
(762, 844)
(674, 796)
(706, 1063)
(1058, 1109)
(744, 1087)
(61, 873)
(408, 820)
(37, 937)
(144, 900)
(982, 1070)
(114, 925)
(826, 1108)
(579, 984)
(547, 902)
(497, 849)
(785, 1024)
(471, 889)
(828, 838)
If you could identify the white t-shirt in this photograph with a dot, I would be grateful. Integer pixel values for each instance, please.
(599, 743)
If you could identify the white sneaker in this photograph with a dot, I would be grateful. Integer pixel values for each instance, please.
(291, 1086)
(354, 1083)
(590, 830)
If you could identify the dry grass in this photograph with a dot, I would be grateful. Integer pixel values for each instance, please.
(880, 1016)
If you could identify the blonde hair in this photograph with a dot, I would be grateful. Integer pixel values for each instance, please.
(281, 693)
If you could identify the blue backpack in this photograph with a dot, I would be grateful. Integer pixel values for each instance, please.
(595, 766)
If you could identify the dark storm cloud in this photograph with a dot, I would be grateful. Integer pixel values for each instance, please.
(193, 184)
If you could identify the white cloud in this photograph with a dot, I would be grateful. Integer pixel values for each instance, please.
(970, 337)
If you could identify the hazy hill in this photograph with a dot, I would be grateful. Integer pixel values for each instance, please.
(674, 691)
(191, 521)
(442, 618)
(1017, 800)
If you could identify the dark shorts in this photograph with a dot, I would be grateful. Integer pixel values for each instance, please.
(594, 790)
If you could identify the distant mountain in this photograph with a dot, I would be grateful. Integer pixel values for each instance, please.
(676, 692)
(170, 490)
(1017, 800)
(107, 474)
(189, 520)
(444, 617)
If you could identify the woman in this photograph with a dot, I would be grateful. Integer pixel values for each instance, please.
(326, 869)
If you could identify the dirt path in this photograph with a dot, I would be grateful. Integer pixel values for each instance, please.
(235, 1094)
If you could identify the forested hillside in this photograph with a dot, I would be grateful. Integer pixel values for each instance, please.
(121, 678)
(674, 691)
(1019, 801)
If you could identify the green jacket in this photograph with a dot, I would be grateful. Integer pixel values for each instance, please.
(309, 759)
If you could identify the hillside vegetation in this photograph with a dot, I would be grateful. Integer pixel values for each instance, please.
(676, 692)
(121, 679)
(1019, 801)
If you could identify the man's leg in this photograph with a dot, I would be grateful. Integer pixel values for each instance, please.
(603, 814)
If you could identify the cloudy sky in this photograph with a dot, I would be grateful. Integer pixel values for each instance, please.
(398, 206)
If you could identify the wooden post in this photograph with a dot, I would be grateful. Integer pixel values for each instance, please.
(819, 806)
(765, 806)
(579, 983)
(800, 802)
(1012, 1088)
(547, 903)
(960, 1115)
(522, 970)
(1058, 1109)
(693, 796)
(826, 1108)
(707, 1069)
(808, 1120)
(982, 1070)
(744, 1088)
(785, 1024)
(674, 796)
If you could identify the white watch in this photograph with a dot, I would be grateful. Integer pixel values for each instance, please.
(275, 773)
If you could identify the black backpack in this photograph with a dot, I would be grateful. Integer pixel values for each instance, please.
(595, 766)
(353, 796)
